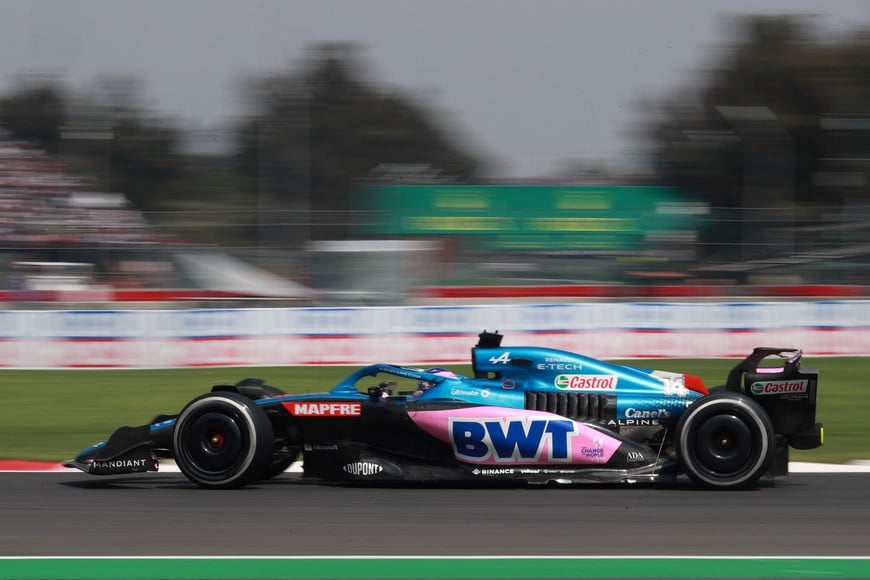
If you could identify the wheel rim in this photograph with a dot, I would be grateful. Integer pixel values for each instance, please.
(725, 441)
(724, 445)
(213, 444)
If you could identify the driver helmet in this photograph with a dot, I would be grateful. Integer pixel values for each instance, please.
(424, 385)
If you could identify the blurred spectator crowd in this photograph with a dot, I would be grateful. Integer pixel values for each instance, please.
(40, 204)
(48, 217)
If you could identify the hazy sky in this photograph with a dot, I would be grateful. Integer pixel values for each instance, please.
(530, 83)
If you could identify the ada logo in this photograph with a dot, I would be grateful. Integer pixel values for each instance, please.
(634, 457)
(585, 382)
(779, 387)
(323, 409)
(362, 468)
(511, 441)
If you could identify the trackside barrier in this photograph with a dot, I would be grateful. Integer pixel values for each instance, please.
(436, 334)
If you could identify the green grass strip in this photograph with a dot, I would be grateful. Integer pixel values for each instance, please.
(60, 412)
(340, 567)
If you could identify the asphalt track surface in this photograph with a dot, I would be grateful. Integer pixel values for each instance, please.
(74, 514)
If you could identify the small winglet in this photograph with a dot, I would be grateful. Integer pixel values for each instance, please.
(489, 339)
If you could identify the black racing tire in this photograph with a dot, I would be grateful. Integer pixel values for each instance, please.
(725, 441)
(280, 466)
(223, 440)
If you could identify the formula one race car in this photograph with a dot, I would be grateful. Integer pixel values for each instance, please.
(528, 414)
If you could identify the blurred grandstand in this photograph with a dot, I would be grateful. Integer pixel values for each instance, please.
(57, 235)
(48, 216)
(417, 239)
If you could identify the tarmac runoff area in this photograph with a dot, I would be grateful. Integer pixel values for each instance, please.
(24, 466)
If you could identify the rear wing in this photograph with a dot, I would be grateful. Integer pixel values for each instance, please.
(790, 357)
(784, 389)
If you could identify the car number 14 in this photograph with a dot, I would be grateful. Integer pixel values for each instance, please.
(674, 387)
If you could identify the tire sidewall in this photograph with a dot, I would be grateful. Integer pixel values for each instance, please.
(719, 404)
(256, 433)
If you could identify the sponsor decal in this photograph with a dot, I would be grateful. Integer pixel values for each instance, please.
(559, 366)
(504, 358)
(537, 471)
(586, 382)
(496, 436)
(523, 441)
(470, 393)
(362, 468)
(557, 360)
(634, 457)
(596, 451)
(405, 373)
(779, 387)
(632, 413)
(509, 384)
(121, 464)
(497, 471)
(512, 440)
(314, 447)
(323, 409)
(633, 422)
(641, 418)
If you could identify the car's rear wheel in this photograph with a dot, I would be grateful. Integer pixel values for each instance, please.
(223, 440)
(725, 441)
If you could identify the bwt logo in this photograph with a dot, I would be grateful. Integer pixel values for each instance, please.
(512, 441)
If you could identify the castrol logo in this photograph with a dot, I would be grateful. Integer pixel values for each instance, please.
(586, 382)
(779, 387)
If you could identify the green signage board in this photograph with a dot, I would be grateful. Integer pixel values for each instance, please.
(532, 216)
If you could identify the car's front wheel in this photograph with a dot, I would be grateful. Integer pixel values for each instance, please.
(223, 440)
(725, 441)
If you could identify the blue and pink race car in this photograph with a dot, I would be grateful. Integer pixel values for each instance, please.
(528, 415)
